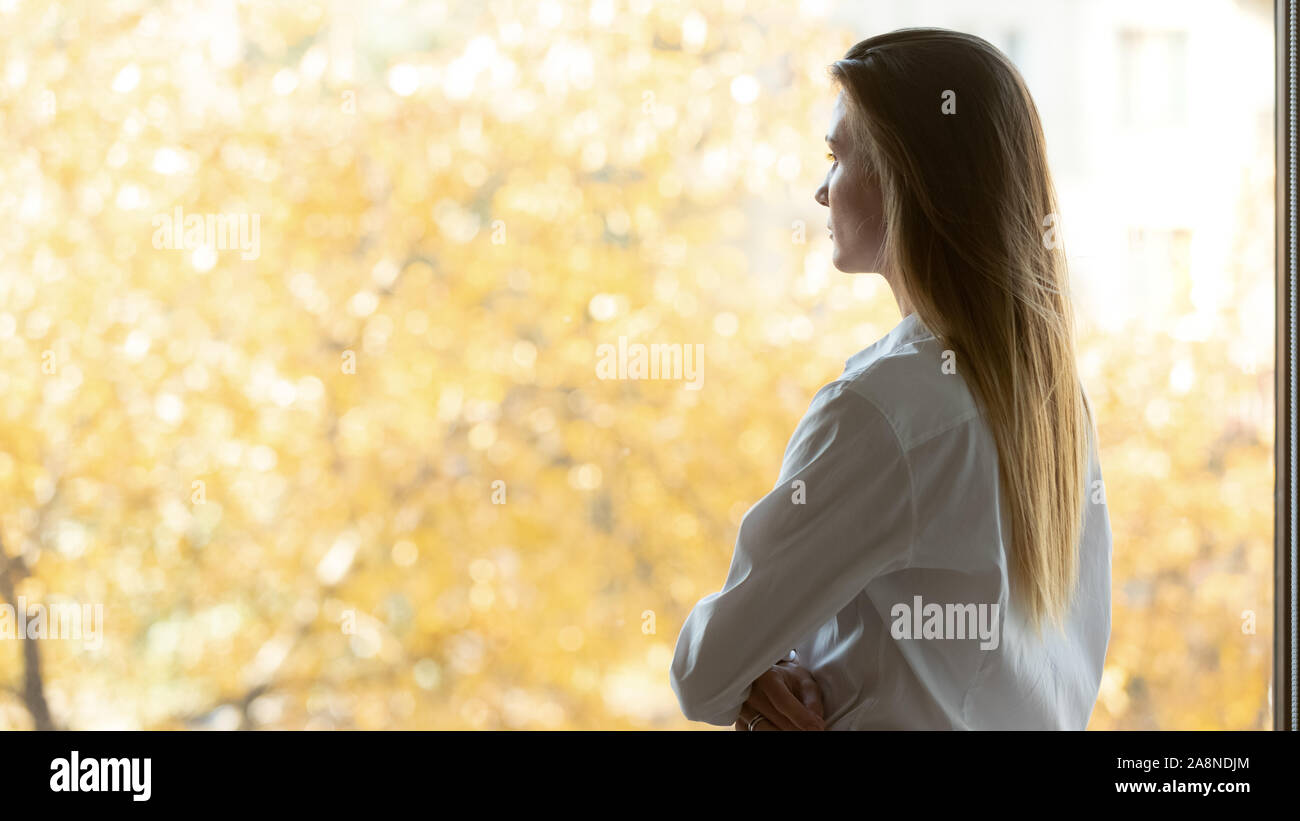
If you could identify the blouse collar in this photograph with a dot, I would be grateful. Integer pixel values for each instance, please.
(908, 329)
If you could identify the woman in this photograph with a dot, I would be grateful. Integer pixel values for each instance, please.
(936, 551)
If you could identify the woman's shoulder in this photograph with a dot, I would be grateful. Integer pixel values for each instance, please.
(918, 387)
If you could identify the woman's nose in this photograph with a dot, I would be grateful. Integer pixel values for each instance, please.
(820, 195)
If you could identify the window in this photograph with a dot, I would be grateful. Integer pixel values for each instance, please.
(1153, 78)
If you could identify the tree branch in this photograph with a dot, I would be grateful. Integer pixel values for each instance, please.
(33, 693)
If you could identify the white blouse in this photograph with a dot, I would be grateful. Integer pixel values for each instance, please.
(880, 557)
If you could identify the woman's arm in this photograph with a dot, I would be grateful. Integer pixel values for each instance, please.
(841, 516)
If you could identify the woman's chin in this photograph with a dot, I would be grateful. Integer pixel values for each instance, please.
(837, 259)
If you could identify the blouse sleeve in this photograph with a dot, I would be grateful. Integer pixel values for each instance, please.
(841, 515)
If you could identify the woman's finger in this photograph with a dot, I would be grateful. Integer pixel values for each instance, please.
(768, 700)
(809, 692)
(784, 703)
(762, 706)
(748, 714)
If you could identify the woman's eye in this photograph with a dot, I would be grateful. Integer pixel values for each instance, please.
(830, 157)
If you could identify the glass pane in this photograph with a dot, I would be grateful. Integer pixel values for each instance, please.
(303, 309)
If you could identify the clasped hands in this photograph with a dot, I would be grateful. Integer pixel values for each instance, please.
(787, 697)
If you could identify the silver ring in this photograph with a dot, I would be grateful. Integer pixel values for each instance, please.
(754, 721)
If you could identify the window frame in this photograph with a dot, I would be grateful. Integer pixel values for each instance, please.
(1285, 710)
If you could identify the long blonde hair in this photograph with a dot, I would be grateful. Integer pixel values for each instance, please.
(945, 124)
